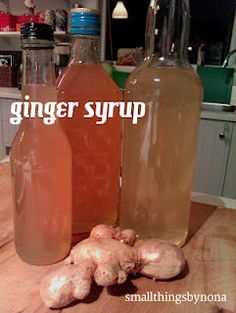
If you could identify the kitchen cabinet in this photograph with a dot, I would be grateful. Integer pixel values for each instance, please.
(7, 130)
(213, 169)
(229, 189)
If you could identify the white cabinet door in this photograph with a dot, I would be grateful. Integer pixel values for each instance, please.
(213, 150)
(8, 130)
(230, 177)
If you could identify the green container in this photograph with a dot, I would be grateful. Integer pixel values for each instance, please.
(120, 78)
(121, 74)
(108, 68)
(217, 82)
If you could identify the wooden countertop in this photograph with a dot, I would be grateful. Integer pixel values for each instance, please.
(210, 252)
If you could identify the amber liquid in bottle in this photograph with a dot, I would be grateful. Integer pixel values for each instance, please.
(95, 148)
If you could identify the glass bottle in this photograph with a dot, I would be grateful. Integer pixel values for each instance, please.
(159, 152)
(95, 148)
(40, 161)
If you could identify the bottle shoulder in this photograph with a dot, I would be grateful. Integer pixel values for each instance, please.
(162, 75)
(86, 80)
(40, 148)
(51, 136)
(78, 73)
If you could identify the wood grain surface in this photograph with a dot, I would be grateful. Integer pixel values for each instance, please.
(210, 252)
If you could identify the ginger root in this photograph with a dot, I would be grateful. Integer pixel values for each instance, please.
(107, 257)
(160, 259)
(66, 284)
(127, 236)
(113, 259)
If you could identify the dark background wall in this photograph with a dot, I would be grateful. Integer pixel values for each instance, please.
(212, 22)
(129, 33)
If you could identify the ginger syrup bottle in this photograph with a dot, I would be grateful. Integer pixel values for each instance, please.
(41, 161)
(159, 152)
(95, 148)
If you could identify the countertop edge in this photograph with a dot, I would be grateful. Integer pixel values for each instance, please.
(213, 200)
(219, 116)
(10, 93)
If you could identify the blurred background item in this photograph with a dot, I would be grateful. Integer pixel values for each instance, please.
(61, 56)
(61, 20)
(7, 22)
(50, 18)
(129, 56)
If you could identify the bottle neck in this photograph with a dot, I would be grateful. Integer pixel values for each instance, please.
(38, 68)
(85, 49)
(39, 80)
(167, 32)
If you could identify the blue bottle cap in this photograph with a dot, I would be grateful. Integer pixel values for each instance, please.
(85, 21)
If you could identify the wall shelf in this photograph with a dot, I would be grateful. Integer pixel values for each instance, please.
(17, 34)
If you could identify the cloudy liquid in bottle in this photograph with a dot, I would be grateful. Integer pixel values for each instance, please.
(41, 176)
(159, 152)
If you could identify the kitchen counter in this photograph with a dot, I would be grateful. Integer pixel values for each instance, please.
(210, 252)
(219, 116)
(213, 200)
(10, 93)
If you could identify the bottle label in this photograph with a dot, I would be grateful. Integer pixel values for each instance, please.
(50, 111)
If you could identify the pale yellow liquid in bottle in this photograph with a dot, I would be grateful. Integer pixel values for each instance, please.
(159, 153)
(41, 174)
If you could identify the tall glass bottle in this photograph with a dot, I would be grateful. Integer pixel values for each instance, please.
(95, 148)
(40, 161)
(159, 152)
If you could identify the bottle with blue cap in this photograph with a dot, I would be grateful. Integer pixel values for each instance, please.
(95, 148)
(85, 22)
